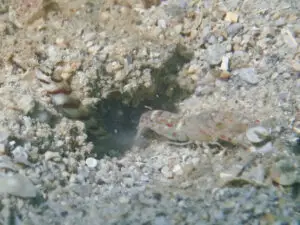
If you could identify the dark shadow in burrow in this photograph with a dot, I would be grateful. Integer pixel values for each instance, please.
(120, 120)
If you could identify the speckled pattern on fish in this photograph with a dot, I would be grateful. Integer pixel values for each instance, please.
(208, 126)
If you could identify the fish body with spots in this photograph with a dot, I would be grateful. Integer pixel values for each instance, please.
(164, 123)
(208, 126)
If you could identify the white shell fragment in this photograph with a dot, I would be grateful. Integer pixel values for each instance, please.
(257, 134)
(91, 162)
(17, 185)
(247, 74)
(268, 147)
(225, 63)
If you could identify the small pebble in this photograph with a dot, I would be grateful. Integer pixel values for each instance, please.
(231, 17)
(289, 38)
(51, 155)
(3, 136)
(178, 170)
(2, 149)
(280, 22)
(284, 172)
(228, 206)
(91, 162)
(167, 172)
(89, 36)
(286, 75)
(187, 168)
(178, 28)
(247, 74)
(295, 64)
(215, 53)
(161, 220)
(233, 29)
(196, 161)
(20, 154)
(17, 185)
(124, 199)
(162, 23)
(5, 162)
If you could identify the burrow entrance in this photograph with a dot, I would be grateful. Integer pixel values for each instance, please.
(114, 126)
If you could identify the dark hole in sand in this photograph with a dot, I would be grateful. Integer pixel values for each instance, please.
(120, 120)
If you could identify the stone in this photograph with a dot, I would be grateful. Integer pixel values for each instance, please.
(91, 162)
(2, 149)
(231, 17)
(162, 220)
(17, 185)
(247, 74)
(20, 155)
(234, 29)
(3, 136)
(124, 199)
(51, 155)
(285, 172)
(6, 163)
(187, 168)
(215, 53)
(178, 170)
(178, 28)
(289, 38)
(167, 172)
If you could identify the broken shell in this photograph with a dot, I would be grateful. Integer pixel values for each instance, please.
(268, 147)
(225, 63)
(257, 134)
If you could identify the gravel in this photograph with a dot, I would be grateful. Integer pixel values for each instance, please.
(75, 79)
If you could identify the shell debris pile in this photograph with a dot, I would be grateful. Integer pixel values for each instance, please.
(63, 58)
